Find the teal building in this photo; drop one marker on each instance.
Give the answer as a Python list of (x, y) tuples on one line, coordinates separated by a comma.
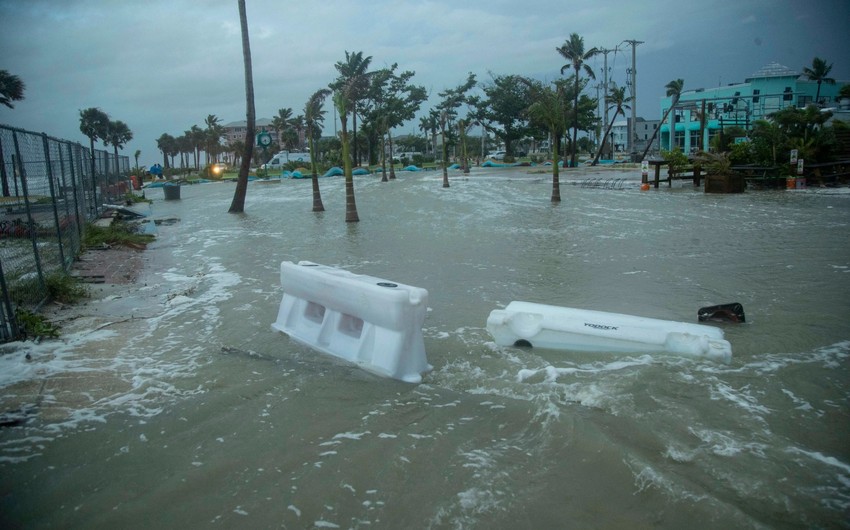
[(772, 88)]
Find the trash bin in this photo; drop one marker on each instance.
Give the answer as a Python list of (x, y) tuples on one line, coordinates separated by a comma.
[(171, 191)]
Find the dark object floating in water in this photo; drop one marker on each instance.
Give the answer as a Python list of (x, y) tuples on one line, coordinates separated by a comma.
[(722, 313)]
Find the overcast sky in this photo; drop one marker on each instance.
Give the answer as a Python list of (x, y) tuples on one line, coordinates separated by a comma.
[(164, 65)]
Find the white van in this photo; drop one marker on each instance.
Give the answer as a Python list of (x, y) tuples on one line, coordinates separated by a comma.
[(282, 158)]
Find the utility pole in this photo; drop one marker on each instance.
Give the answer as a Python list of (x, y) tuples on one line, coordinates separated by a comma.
[(605, 53), (631, 126)]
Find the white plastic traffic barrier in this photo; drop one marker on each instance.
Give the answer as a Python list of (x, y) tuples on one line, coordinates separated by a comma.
[(374, 323), (565, 328)]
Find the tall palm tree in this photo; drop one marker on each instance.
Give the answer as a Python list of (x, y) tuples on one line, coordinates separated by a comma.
[(344, 104), (618, 102), (94, 123), (674, 90), (238, 203), (819, 72), (118, 134), (314, 117), (354, 72), (573, 51), (548, 109), (11, 88)]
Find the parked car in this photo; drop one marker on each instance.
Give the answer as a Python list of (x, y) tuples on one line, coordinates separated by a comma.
[(498, 155)]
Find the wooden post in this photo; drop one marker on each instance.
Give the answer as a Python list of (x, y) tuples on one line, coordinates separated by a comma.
[(657, 174)]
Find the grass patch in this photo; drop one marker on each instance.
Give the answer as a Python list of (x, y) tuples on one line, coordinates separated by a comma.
[(65, 288), (117, 233), (34, 325)]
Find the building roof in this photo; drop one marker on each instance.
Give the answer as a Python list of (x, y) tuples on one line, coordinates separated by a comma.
[(773, 70)]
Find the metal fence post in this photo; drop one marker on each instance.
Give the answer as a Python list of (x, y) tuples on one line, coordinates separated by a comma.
[(30, 221), (53, 197)]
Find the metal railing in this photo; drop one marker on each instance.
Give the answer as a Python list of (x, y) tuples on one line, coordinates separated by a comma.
[(49, 190)]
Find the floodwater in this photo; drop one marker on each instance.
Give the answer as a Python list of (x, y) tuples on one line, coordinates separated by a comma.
[(180, 407)]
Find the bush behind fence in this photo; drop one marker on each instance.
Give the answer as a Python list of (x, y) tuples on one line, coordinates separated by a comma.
[(49, 189)]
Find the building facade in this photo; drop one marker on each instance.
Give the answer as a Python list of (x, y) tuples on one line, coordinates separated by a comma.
[(772, 88), (643, 133)]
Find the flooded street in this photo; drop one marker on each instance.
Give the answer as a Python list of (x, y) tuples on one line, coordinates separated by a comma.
[(174, 404)]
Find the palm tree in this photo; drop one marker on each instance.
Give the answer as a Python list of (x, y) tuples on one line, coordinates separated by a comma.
[(615, 99), (674, 90), (238, 204), (136, 155), (573, 51), (314, 117), (94, 123), (297, 125), (165, 143), (548, 109), (344, 105), (117, 136), (281, 122), (819, 72), (354, 72), (11, 88), (212, 137), (428, 125)]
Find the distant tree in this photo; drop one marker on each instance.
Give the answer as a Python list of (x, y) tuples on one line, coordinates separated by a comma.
[(314, 117), (573, 51), (136, 155), (429, 124), (674, 90), (165, 143), (212, 137), (281, 121), (94, 123), (618, 102), (819, 72), (401, 103), (452, 99), (354, 73), (548, 108), (238, 203), (503, 109), (11, 88), (118, 134)]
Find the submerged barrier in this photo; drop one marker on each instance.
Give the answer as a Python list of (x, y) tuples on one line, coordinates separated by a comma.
[(374, 323), (608, 184), (565, 328)]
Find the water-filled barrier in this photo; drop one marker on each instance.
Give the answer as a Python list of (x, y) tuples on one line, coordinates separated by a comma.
[(374, 323), (565, 328)]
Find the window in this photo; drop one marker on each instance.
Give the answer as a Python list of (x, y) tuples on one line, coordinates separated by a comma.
[(787, 95), (804, 101), (756, 93)]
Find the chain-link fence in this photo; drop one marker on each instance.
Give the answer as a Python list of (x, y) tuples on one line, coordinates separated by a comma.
[(50, 189)]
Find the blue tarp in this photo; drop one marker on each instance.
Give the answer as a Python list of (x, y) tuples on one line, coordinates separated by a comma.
[(334, 172), (411, 168), (360, 171)]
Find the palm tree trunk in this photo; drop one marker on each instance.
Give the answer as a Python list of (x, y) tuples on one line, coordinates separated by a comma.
[(392, 164), (445, 159), (607, 132), (384, 160), (556, 182), (317, 195), (238, 203), (350, 204), (655, 132)]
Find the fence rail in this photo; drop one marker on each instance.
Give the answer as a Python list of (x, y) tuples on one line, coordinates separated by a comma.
[(49, 189)]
